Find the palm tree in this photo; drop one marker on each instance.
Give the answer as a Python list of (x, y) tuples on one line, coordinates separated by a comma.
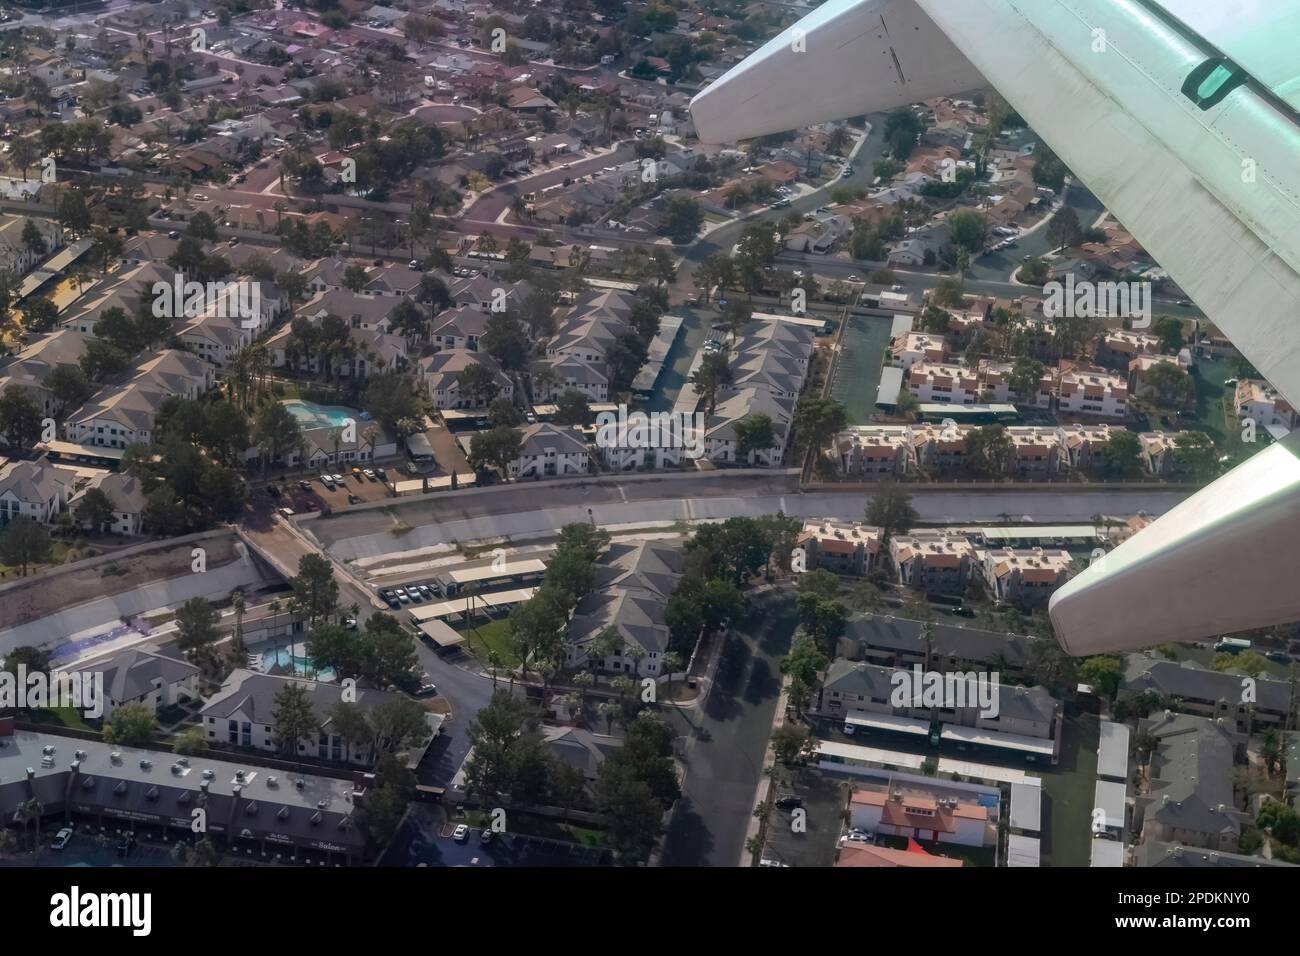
[(927, 635), (583, 680), (493, 662), (30, 812), (237, 601), (609, 710), (274, 608)]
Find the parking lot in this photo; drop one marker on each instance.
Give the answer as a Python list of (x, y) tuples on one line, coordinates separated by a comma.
[(427, 840), (824, 799), (309, 493)]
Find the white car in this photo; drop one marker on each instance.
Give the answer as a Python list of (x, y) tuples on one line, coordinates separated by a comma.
[(337, 479), (61, 838), (461, 833), (327, 481)]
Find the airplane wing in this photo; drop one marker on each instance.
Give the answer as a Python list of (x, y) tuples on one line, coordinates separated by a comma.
[(1181, 116)]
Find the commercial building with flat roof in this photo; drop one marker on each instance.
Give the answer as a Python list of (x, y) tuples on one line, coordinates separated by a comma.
[(243, 806)]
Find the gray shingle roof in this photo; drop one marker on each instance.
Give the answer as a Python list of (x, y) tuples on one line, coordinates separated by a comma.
[(1190, 681)]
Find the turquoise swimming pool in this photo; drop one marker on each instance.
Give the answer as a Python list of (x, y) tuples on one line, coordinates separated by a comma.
[(311, 415), (284, 659)]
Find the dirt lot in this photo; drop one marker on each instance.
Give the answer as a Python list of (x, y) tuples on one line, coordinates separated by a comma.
[(64, 587)]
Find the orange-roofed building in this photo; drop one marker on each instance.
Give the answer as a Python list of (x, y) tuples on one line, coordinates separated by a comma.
[(864, 854)]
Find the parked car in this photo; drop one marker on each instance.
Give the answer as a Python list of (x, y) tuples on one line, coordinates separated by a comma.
[(485, 836), (369, 473), (426, 591), (350, 624), (61, 839), (427, 690), (461, 833), (337, 479), (305, 485), (273, 491), (354, 499), (327, 481), (383, 475), (789, 802), (960, 611), (356, 473), (286, 512), (415, 595), (401, 595)]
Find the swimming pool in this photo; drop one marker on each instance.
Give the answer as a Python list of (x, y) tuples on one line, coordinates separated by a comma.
[(284, 659), (311, 415)]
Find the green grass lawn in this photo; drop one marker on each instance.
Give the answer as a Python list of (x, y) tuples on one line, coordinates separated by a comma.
[(528, 824), (1069, 789), (1210, 391), (488, 636), (64, 716)]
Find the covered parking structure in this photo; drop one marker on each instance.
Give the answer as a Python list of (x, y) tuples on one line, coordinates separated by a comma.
[(1031, 746)]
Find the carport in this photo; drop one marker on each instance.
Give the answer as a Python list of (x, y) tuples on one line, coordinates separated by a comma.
[(441, 633)]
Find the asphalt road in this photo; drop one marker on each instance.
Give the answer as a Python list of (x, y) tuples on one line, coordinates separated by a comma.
[(726, 740)]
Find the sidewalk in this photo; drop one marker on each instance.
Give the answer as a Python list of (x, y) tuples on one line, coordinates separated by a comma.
[(763, 792)]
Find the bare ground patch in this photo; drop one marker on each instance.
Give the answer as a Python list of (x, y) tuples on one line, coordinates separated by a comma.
[(67, 586)]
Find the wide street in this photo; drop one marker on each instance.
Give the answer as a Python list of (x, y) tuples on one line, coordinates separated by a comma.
[(726, 739)]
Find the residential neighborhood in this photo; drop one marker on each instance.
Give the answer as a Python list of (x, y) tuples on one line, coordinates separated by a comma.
[(460, 434)]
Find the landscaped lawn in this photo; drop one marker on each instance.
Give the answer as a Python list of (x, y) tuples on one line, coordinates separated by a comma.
[(527, 824), (493, 635), (1069, 790), (1210, 390), (66, 716)]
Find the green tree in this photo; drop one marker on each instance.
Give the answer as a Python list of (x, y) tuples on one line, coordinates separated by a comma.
[(710, 378), (132, 725), (990, 450), (196, 625), (968, 230), (95, 510), (682, 219), (817, 421), (292, 718), (1170, 332), (497, 447), (572, 408), (890, 509), (24, 542), (20, 417), (190, 742), (315, 592), (1104, 672), (1123, 455)]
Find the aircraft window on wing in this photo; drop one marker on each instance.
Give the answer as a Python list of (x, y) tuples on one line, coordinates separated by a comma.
[(1209, 83)]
